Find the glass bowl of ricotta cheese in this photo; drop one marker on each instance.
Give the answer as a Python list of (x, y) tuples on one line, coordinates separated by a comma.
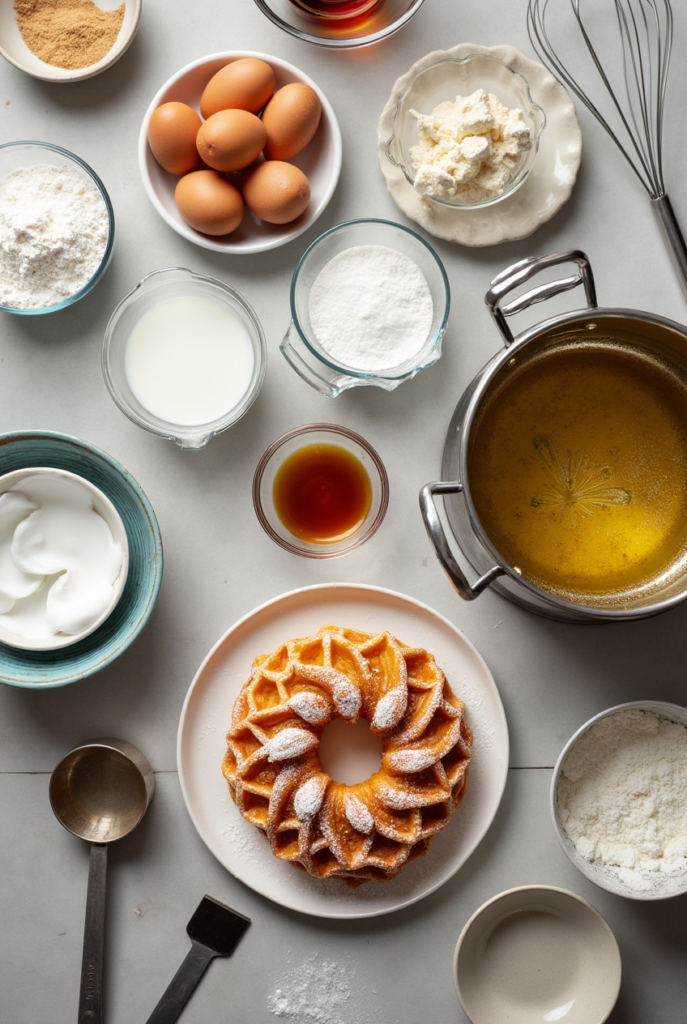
[(370, 302), (466, 131)]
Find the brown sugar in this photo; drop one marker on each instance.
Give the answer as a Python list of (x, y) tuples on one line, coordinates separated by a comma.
[(68, 34)]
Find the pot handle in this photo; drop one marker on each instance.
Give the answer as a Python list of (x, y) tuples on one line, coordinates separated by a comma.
[(520, 272), (441, 549)]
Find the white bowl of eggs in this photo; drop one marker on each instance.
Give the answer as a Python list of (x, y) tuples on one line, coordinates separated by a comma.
[(240, 152)]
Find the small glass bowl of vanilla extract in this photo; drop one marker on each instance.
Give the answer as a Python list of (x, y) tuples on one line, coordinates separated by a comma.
[(320, 490)]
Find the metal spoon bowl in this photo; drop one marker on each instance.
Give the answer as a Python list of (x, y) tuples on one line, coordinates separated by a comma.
[(99, 792)]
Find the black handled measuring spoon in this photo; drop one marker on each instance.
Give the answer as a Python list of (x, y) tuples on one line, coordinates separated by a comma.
[(214, 930)]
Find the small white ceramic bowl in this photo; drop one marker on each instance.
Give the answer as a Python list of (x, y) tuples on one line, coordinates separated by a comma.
[(661, 886), (14, 49), (320, 161), (537, 953), (104, 507)]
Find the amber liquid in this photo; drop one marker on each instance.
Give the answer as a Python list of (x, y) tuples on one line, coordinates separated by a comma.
[(322, 493), (332, 11), (578, 471)]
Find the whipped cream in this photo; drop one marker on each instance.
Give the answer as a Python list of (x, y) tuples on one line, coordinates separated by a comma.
[(58, 559)]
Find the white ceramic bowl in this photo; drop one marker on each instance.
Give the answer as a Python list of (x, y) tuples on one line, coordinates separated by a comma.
[(537, 953), (104, 507), (14, 49), (662, 885), (320, 161)]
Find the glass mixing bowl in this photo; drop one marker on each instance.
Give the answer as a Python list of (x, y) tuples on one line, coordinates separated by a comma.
[(15, 155), (374, 23), (162, 285), (451, 77), (301, 348)]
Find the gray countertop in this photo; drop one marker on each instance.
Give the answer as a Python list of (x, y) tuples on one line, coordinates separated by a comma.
[(219, 564)]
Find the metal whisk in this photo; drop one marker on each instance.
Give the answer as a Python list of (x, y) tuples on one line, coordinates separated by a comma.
[(635, 109)]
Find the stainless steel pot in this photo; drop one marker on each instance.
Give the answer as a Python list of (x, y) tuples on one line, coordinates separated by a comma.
[(660, 336)]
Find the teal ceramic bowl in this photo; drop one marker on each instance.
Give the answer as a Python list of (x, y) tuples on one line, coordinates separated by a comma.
[(45, 669)]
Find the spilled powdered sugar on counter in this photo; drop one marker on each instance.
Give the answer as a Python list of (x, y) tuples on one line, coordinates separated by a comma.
[(319, 991)]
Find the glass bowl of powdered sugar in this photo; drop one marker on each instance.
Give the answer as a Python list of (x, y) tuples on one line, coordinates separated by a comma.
[(619, 800), (369, 306), (56, 228)]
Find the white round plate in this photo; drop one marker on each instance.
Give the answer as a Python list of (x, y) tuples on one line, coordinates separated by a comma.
[(320, 161), (547, 187), (206, 716)]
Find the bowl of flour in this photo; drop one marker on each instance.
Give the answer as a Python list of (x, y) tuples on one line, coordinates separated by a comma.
[(370, 302), (56, 228), (619, 800)]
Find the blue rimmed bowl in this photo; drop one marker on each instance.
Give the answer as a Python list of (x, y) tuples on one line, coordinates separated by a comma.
[(17, 155), (45, 669)]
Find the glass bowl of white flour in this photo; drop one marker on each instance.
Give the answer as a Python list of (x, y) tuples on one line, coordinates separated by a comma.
[(619, 800), (466, 131), (370, 302), (56, 228)]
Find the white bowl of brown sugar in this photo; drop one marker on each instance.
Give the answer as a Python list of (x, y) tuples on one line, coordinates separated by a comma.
[(66, 40)]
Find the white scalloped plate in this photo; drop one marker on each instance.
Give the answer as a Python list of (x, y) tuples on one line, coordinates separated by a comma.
[(547, 187), (205, 718)]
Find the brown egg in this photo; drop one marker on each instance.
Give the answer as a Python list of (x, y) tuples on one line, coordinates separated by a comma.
[(172, 132), (231, 139), (209, 203), (245, 84), (291, 119), (275, 191)]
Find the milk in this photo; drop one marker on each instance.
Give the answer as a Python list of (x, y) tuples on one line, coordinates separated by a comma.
[(189, 361)]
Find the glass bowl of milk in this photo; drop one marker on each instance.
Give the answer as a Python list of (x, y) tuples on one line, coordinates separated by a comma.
[(184, 356)]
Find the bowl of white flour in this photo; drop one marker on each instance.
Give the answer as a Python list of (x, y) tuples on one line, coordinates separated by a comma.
[(56, 228), (619, 800)]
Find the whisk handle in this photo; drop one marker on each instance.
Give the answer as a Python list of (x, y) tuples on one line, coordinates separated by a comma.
[(521, 272), (673, 233)]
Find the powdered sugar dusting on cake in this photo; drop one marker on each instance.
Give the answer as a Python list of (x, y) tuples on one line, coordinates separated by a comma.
[(309, 796), (311, 707), (345, 693), (291, 742), (390, 709), (358, 814), (412, 759)]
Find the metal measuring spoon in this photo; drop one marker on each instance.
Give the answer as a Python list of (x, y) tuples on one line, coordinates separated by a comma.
[(99, 792)]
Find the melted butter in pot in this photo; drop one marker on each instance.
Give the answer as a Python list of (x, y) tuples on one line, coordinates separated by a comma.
[(578, 471)]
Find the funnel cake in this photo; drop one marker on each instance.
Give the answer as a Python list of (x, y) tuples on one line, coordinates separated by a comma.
[(369, 830)]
